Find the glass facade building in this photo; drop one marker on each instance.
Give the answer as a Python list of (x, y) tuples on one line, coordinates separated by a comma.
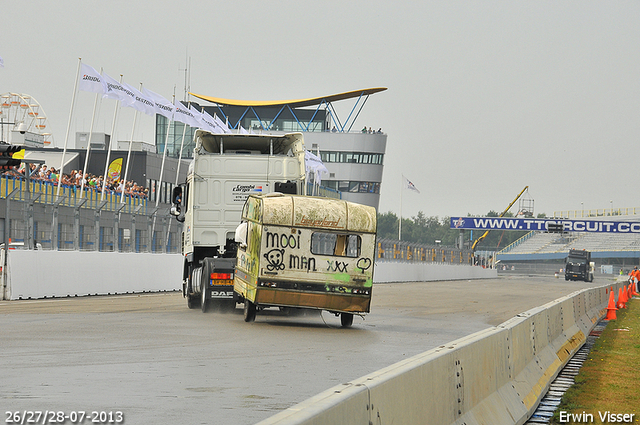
[(354, 159)]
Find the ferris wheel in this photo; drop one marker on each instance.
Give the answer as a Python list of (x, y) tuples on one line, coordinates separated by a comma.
[(24, 109)]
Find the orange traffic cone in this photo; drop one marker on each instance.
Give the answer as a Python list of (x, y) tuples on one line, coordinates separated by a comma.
[(611, 308), (620, 303), (629, 292), (633, 289), (623, 297)]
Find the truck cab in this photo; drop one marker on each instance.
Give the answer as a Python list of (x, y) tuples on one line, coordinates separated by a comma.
[(578, 266), (225, 171)]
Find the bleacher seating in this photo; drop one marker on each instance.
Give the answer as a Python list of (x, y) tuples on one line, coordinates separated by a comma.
[(542, 243)]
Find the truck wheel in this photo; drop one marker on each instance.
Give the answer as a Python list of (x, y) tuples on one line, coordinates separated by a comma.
[(346, 319), (193, 301), (249, 311), (204, 302)]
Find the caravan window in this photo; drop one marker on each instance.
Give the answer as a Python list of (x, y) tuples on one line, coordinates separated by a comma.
[(334, 244)]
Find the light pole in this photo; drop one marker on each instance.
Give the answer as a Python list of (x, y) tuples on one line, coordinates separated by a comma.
[(582, 204), (611, 202)]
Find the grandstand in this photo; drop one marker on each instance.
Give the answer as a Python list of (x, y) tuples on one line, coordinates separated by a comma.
[(619, 249)]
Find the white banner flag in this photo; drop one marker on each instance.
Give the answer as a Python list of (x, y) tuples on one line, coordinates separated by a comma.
[(197, 115), (409, 185), (184, 115), (210, 123), (1, 62), (162, 105), (91, 80), (223, 126), (141, 102), (114, 90)]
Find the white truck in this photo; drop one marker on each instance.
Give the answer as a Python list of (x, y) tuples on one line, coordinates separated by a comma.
[(225, 170)]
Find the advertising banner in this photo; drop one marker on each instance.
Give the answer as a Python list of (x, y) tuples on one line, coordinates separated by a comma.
[(528, 224)]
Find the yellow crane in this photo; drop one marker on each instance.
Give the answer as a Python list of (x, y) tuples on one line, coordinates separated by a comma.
[(484, 235)]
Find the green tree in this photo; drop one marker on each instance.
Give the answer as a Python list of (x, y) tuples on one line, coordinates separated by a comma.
[(426, 230)]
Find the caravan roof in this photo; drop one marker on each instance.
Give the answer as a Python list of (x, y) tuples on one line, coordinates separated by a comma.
[(312, 212)]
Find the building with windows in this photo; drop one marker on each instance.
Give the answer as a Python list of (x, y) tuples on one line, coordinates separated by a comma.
[(354, 157)]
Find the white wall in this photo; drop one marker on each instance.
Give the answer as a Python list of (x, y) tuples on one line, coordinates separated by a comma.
[(39, 274), (389, 271)]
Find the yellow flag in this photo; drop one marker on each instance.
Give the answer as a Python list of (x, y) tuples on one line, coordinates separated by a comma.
[(114, 168), (18, 155)]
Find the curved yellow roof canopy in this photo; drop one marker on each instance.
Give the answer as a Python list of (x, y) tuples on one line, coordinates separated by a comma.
[(295, 103)]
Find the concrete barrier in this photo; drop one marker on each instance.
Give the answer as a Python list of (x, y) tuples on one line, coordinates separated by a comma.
[(495, 376), (40, 274)]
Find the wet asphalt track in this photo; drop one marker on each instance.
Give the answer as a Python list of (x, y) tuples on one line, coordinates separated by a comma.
[(156, 361)]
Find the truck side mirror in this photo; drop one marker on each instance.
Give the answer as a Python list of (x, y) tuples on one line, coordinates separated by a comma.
[(176, 200), (176, 197)]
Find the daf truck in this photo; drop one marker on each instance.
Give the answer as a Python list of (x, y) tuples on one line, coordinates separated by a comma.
[(578, 266), (227, 169)]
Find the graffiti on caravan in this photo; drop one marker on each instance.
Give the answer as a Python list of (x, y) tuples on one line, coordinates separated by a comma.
[(283, 240), (277, 243), (528, 224)]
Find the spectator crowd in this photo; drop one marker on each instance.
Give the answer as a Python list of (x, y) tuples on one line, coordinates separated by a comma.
[(76, 180)]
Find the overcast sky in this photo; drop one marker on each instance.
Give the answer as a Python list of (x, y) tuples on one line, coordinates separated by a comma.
[(484, 97)]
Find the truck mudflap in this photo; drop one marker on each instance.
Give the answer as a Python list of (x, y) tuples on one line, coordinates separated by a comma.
[(217, 276), (222, 292)]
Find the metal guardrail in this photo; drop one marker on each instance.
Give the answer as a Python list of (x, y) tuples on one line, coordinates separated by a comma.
[(394, 250), (35, 218), (604, 212), (45, 193)]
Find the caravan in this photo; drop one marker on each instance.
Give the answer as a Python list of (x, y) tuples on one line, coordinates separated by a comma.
[(305, 252)]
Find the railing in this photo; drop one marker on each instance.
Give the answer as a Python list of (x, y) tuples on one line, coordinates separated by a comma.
[(393, 250), (604, 212), (34, 217), (46, 193), (517, 242)]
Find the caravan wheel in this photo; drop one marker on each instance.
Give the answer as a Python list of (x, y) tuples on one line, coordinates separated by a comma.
[(346, 319), (249, 311)]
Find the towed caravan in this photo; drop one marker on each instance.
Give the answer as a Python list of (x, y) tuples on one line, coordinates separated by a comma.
[(305, 252)]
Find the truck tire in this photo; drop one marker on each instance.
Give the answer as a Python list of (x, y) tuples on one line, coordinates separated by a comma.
[(249, 311), (204, 302), (204, 283), (193, 301), (346, 320)]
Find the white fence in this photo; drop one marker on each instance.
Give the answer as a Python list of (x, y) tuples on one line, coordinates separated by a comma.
[(41, 274)]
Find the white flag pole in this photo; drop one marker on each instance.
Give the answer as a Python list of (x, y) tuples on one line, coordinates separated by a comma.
[(400, 222), (86, 158), (113, 129), (164, 156), (66, 138), (184, 132), (126, 168)]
